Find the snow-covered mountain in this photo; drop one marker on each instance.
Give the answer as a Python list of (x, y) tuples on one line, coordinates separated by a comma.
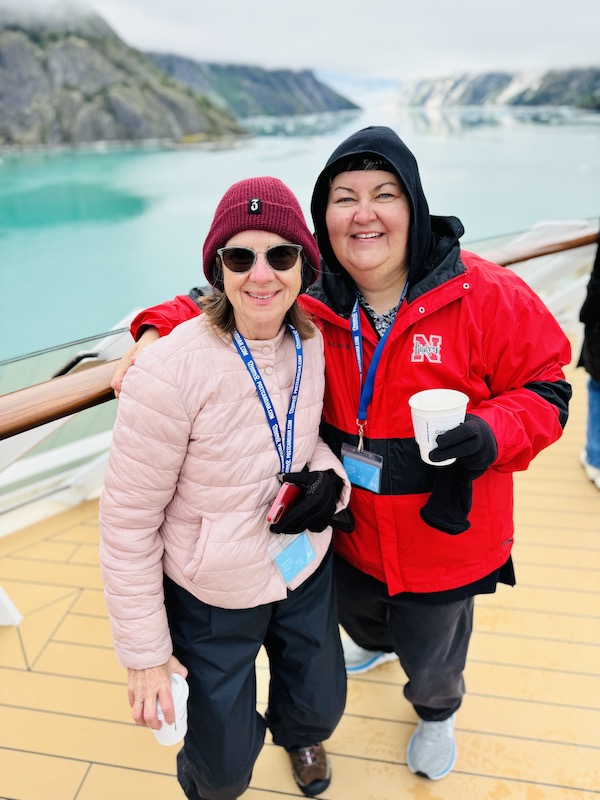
[(574, 87)]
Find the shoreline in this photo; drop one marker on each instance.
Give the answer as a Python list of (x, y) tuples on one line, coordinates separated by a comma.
[(292, 125), (224, 142)]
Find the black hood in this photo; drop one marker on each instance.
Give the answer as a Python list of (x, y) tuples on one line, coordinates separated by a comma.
[(382, 142)]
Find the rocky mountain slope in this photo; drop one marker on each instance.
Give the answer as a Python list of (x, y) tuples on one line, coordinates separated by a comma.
[(66, 77), (251, 91), (69, 78)]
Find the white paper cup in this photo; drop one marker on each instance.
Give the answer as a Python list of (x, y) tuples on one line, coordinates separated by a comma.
[(171, 734), (436, 411)]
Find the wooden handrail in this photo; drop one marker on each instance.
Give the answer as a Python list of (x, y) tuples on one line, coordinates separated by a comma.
[(515, 254), (35, 405)]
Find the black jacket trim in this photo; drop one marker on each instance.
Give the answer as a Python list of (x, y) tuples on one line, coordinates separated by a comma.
[(557, 393)]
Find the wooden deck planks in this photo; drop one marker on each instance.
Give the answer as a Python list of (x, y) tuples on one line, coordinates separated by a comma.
[(529, 728)]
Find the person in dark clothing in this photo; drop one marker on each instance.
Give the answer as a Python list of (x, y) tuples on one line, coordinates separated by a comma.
[(402, 308), (590, 361)]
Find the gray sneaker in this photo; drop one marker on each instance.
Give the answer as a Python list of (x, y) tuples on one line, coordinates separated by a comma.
[(432, 750), (359, 660)]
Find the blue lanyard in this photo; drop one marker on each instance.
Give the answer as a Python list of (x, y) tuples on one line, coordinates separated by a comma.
[(366, 388), (285, 447)]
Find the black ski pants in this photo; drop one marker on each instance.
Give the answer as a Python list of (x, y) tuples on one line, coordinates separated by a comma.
[(307, 691)]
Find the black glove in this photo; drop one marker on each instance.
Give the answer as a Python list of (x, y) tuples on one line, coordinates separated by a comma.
[(450, 501), (473, 444), (315, 507), (343, 521)]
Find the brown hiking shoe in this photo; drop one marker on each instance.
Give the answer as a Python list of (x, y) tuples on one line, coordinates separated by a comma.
[(311, 769)]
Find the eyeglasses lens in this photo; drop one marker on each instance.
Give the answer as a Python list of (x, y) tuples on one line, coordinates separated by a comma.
[(280, 257), (238, 259)]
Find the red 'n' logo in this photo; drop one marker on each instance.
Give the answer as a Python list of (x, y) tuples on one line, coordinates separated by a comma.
[(427, 348)]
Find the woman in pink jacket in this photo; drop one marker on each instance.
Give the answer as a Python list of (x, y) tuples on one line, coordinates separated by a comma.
[(210, 419)]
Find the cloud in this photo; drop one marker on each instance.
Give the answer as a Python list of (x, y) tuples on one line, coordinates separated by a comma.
[(401, 39), (44, 6)]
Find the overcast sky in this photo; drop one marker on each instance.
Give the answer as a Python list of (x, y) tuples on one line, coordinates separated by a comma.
[(401, 39)]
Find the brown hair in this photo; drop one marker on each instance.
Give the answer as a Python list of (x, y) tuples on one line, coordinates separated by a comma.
[(219, 312)]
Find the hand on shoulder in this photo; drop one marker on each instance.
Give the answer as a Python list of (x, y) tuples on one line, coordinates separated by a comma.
[(148, 336)]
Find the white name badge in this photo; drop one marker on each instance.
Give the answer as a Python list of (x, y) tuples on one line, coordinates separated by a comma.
[(363, 468), (291, 552)]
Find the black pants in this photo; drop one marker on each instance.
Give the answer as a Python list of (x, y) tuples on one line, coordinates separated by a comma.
[(307, 691), (431, 640)]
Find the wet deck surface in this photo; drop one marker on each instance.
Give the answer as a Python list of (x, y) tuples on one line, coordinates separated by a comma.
[(529, 728)]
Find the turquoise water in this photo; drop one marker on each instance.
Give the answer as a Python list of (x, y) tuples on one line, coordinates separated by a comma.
[(87, 236)]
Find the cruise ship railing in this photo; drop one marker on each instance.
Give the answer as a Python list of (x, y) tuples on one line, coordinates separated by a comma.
[(533, 256), (60, 397), (555, 260)]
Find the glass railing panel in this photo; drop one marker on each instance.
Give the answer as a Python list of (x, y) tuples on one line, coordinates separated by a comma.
[(32, 368)]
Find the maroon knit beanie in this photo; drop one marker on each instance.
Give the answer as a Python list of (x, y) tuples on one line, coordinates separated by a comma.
[(263, 204)]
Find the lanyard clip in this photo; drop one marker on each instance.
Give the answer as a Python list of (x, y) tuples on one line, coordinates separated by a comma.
[(361, 430)]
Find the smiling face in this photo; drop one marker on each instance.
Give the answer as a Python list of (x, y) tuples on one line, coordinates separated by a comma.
[(368, 221), (262, 296)]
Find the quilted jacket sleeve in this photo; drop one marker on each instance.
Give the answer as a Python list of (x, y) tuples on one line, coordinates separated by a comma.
[(150, 440)]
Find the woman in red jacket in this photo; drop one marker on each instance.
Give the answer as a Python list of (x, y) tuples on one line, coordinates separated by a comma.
[(402, 309)]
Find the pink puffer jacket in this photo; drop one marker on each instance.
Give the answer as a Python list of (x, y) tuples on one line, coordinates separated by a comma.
[(192, 473)]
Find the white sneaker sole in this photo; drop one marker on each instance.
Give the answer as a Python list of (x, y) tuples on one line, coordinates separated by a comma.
[(367, 666), (436, 776), (592, 473)]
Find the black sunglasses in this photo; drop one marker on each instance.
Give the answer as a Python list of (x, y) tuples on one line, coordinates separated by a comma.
[(241, 259)]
